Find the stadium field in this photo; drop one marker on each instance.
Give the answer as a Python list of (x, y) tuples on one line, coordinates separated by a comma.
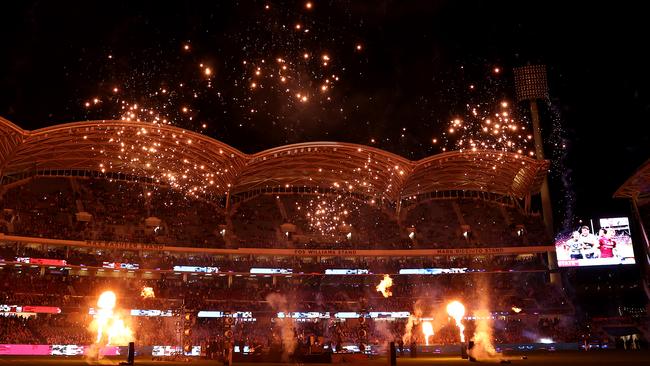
[(618, 358)]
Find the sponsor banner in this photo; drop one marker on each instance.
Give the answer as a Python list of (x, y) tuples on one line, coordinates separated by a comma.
[(25, 349), (174, 350), (389, 314), (196, 269), (140, 312), (304, 315), (219, 314), (29, 309), (434, 271), (271, 271), (42, 261), (53, 350), (117, 265), (41, 309), (347, 315), (343, 271), (163, 313)]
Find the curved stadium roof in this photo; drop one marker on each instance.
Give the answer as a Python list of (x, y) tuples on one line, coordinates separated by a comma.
[(637, 187), (194, 161)]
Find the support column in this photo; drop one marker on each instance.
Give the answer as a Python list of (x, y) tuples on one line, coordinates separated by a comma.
[(531, 84), (547, 210)]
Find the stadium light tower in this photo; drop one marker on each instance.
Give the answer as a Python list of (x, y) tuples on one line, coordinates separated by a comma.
[(531, 85)]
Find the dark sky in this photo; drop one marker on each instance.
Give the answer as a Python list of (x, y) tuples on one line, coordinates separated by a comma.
[(411, 76)]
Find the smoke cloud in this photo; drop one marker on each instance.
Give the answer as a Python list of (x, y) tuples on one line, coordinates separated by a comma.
[(414, 320), (483, 349), (279, 303)]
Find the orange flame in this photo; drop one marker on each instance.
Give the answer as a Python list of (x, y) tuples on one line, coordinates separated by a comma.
[(456, 310), (427, 330), (109, 325), (385, 285), (147, 293)]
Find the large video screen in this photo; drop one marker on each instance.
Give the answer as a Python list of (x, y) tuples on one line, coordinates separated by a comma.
[(601, 242)]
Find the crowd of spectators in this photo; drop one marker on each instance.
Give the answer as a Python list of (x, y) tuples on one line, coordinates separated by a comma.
[(17, 330), (309, 293), (82, 209), (99, 209)]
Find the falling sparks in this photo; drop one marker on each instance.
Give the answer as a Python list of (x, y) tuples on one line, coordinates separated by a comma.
[(456, 310), (488, 130), (300, 55), (385, 285), (326, 214), (292, 76), (155, 152)]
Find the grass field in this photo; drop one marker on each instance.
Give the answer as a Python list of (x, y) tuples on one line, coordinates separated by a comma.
[(610, 357)]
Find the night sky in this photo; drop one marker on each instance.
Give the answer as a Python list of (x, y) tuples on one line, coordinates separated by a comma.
[(390, 74)]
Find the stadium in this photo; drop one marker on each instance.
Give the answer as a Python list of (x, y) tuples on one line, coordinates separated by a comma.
[(282, 182), (295, 239)]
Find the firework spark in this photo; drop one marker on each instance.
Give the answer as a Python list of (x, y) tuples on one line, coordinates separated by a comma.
[(326, 215)]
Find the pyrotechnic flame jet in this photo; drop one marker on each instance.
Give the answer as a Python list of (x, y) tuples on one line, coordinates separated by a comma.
[(147, 293), (110, 325), (105, 303), (456, 310), (385, 285), (427, 330)]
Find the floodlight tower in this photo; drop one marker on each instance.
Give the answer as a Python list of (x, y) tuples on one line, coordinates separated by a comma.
[(531, 85)]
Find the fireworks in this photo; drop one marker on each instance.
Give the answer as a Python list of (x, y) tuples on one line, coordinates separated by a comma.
[(289, 71), (488, 130), (385, 285), (110, 328), (427, 331), (456, 310), (326, 215), (296, 67)]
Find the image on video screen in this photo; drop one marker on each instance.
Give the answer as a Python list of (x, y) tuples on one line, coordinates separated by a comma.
[(608, 243)]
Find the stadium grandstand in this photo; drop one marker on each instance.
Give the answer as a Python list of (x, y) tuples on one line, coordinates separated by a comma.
[(215, 233)]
